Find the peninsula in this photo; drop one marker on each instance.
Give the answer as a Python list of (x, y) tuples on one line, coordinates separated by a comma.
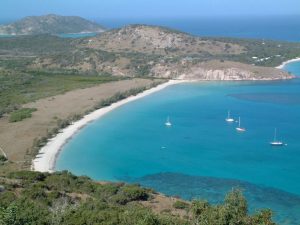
[(52, 86)]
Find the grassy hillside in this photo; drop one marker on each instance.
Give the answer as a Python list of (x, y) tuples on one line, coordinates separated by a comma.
[(263, 52), (62, 198), (135, 50)]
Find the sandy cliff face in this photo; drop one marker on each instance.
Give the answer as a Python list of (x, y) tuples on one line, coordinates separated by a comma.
[(216, 70)]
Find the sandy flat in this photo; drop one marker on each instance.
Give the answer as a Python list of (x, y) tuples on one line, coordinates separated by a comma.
[(45, 160), (17, 138)]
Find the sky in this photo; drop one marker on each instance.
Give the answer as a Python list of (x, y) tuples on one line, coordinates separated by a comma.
[(95, 9)]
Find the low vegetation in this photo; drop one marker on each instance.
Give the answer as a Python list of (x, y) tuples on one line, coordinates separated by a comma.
[(262, 52), (21, 114), (181, 205), (17, 88), (135, 55), (2, 159), (62, 198)]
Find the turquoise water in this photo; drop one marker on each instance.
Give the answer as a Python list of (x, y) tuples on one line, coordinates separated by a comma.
[(77, 35), (6, 36), (201, 156)]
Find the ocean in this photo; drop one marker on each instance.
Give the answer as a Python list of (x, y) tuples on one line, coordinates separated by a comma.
[(201, 156), (283, 28)]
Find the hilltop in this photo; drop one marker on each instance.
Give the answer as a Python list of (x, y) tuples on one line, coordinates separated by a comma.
[(158, 40), (50, 24), (62, 198)]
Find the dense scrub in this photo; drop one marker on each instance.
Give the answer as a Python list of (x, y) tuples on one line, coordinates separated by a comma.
[(262, 52), (2, 159), (62, 198), (21, 114)]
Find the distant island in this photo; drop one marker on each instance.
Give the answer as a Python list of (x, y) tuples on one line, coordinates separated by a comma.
[(48, 83), (50, 24)]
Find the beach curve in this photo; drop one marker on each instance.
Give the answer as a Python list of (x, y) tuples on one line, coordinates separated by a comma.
[(46, 158), (282, 65)]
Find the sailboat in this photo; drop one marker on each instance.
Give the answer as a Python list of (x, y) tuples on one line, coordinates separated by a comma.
[(275, 142), (229, 119), (168, 123), (239, 128)]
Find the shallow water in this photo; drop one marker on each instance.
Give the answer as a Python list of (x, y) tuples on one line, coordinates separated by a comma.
[(77, 35), (201, 156)]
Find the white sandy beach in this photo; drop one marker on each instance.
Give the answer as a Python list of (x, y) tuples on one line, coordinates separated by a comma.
[(286, 62), (45, 160)]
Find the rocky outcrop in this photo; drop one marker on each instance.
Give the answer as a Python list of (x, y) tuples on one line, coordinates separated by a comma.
[(216, 70)]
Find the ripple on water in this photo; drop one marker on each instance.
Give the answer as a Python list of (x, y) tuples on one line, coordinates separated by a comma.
[(275, 98), (285, 205)]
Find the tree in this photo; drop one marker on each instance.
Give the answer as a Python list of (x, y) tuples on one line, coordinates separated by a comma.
[(236, 207), (8, 216)]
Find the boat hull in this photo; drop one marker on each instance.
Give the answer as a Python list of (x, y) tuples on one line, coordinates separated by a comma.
[(277, 144), (239, 129)]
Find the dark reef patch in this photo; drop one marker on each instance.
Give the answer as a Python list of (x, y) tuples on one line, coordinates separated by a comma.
[(285, 205), (274, 98)]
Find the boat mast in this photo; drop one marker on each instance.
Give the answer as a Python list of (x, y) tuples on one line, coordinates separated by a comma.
[(239, 121), (275, 134)]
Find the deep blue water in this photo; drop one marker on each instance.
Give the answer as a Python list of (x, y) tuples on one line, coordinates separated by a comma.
[(201, 156), (285, 28)]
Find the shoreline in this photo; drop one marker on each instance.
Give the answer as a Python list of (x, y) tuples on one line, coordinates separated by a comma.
[(46, 158), (287, 62)]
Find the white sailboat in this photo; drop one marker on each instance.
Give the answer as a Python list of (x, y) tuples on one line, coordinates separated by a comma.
[(229, 119), (239, 128), (275, 142), (168, 123)]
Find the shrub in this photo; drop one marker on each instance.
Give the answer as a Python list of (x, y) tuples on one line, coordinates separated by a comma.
[(134, 192), (6, 198), (29, 176), (21, 114), (129, 193), (3, 158), (180, 205)]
